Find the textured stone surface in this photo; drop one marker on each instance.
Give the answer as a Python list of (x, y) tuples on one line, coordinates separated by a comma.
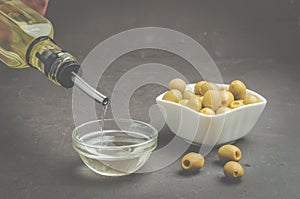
[(257, 42)]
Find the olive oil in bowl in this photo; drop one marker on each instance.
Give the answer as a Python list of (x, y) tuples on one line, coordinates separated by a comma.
[(120, 149)]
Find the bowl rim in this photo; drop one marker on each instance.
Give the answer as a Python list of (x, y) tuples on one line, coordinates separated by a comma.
[(78, 141), (190, 86)]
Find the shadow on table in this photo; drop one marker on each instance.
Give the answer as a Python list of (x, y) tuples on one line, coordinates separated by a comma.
[(229, 181), (76, 172)]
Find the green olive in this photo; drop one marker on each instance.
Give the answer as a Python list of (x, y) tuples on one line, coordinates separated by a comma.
[(178, 84), (212, 99), (192, 161), (223, 89), (206, 87), (233, 170), (229, 152), (207, 111), (173, 95), (200, 98), (238, 89), (194, 103), (251, 99), (198, 86), (187, 94), (183, 102), (222, 109), (236, 104), (227, 98)]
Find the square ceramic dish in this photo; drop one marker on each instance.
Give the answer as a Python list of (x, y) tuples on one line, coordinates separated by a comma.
[(198, 128)]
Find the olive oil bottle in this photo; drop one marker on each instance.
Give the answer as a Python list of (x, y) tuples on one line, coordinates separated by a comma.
[(26, 40)]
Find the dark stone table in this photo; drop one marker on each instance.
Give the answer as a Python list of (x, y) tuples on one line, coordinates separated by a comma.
[(255, 41)]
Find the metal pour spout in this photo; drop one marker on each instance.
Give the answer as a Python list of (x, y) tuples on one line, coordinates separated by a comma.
[(89, 90)]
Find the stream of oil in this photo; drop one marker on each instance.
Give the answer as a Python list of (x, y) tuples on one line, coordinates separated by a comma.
[(118, 162), (102, 132)]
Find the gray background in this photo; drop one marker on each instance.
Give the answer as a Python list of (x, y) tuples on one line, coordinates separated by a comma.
[(255, 41)]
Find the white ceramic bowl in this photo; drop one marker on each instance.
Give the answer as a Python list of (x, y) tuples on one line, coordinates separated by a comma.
[(198, 128)]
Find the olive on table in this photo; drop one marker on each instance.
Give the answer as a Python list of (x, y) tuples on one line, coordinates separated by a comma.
[(229, 152), (233, 170), (222, 109), (238, 89), (187, 94), (198, 86), (207, 86), (178, 84), (194, 103), (173, 95), (192, 161), (207, 111), (227, 97), (251, 99), (236, 104), (212, 99)]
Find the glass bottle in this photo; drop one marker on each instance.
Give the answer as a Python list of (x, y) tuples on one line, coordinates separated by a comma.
[(26, 40)]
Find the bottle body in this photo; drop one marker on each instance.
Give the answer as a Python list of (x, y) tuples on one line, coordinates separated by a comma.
[(19, 27), (26, 40)]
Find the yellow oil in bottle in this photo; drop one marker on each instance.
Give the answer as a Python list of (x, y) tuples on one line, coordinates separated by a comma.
[(26, 39), (19, 27)]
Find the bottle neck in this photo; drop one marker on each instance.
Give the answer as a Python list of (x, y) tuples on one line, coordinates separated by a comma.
[(58, 65)]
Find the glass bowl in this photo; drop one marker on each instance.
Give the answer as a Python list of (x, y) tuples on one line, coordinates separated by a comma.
[(121, 148)]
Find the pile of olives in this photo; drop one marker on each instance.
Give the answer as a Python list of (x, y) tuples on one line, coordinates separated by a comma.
[(208, 98), (228, 154)]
